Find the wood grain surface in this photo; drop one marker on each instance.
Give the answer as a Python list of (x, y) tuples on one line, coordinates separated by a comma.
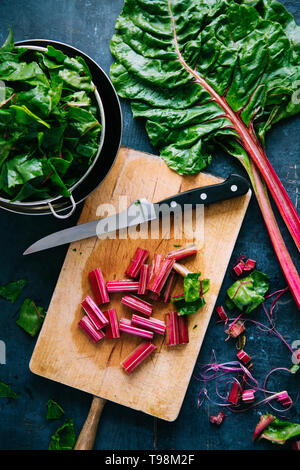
[(64, 354)]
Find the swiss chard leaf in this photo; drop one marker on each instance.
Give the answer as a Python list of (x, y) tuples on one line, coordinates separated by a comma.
[(31, 317), (12, 290), (248, 293), (246, 51), (64, 438), (54, 410), (278, 432), (6, 391)]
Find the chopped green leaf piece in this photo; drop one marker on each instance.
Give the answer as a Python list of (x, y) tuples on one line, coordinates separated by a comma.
[(278, 432), (295, 368), (6, 391), (31, 317), (193, 297), (54, 410), (189, 308), (192, 287), (12, 290), (64, 438), (248, 293)]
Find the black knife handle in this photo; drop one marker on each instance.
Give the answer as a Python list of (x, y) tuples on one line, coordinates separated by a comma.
[(233, 186)]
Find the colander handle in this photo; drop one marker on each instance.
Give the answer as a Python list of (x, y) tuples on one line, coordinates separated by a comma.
[(63, 216)]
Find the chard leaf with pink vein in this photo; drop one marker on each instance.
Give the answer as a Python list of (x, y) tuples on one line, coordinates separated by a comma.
[(217, 72)]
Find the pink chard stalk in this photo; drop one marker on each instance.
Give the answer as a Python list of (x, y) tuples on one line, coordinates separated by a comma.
[(88, 327), (99, 287), (94, 313), (112, 329), (127, 327), (137, 262), (137, 356), (122, 285), (137, 304)]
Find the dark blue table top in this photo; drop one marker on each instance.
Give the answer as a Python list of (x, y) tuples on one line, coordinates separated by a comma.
[(89, 25)]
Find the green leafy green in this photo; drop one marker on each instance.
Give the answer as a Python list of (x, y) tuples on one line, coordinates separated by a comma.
[(295, 368), (278, 432), (192, 287), (12, 290), (248, 293), (247, 51), (193, 297), (31, 317), (64, 438), (6, 391), (54, 410), (189, 308), (49, 127)]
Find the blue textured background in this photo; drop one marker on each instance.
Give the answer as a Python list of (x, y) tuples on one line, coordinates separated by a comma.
[(89, 26)]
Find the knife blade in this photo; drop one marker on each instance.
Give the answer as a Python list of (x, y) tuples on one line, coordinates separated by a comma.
[(141, 211)]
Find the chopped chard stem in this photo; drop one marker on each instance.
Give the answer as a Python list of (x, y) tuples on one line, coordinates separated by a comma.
[(152, 324), (144, 273), (137, 304), (112, 329), (123, 285), (160, 277), (88, 327), (99, 287), (137, 356), (180, 269), (94, 313), (243, 357), (127, 327), (184, 252), (218, 420), (137, 262)]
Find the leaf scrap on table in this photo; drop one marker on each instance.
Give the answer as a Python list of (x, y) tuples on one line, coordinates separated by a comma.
[(31, 317)]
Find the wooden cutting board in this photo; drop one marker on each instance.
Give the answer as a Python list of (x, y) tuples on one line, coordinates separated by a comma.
[(63, 352)]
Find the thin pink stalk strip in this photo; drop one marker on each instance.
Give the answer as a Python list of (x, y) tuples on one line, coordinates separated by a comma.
[(136, 357), (127, 327), (137, 304)]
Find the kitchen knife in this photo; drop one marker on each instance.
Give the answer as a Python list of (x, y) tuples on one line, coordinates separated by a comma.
[(142, 211)]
